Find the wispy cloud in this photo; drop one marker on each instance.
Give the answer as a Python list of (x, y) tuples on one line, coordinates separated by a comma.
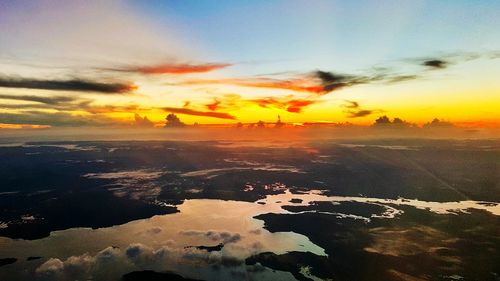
[(188, 111), (323, 82), (298, 85), (110, 108), (52, 100), (317, 82), (214, 105), (66, 85), (332, 81), (177, 68), (55, 119), (354, 110), (288, 104), (66, 104)]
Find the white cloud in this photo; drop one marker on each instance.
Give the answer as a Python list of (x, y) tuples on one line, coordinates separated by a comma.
[(112, 262), (220, 236)]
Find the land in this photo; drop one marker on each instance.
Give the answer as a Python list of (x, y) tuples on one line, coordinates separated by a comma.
[(49, 186)]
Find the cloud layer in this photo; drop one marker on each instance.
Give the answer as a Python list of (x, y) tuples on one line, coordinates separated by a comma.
[(187, 111), (177, 68), (67, 85)]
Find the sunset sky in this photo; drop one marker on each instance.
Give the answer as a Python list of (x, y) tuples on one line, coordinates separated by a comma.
[(93, 63)]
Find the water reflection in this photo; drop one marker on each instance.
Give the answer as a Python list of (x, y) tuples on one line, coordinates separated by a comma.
[(171, 242)]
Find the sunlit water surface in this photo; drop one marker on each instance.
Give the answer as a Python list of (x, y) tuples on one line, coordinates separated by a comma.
[(165, 242)]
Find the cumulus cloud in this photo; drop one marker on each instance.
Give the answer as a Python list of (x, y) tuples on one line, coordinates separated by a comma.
[(111, 262), (173, 121), (51, 266), (142, 121), (109, 254), (385, 122), (73, 268), (436, 123), (216, 236), (154, 230), (140, 254)]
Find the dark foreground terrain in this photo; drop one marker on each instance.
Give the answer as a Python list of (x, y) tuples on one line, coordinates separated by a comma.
[(56, 186)]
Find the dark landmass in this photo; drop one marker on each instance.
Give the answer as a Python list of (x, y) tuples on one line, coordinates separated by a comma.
[(46, 185), (82, 209), (295, 200), (292, 262), (431, 173), (6, 261), (215, 248), (33, 258), (353, 208), (154, 276), (417, 245)]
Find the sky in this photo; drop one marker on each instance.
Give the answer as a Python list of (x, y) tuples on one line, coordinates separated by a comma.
[(108, 63)]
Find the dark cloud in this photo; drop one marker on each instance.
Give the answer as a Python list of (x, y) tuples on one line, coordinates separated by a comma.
[(187, 111), (64, 103), (385, 122), (401, 78), (54, 119), (55, 100), (435, 63), (332, 81), (66, 85), (137, 250), (351, 104), (173, 121), (443, 60), (354, 110), (360, 113)]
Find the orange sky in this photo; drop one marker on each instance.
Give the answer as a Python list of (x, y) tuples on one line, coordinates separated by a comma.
[(88, 75)]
